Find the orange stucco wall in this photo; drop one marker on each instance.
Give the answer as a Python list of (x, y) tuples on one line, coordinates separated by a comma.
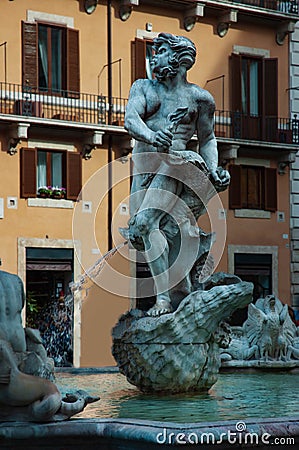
[(109, 298), (101, 311)]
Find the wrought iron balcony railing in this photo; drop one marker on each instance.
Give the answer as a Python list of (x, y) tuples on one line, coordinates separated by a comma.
[(94, 109), (63, 105), (235, 125), (283, 6)]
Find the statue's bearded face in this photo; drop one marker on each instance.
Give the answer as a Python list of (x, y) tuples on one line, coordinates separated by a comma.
[(162, 63)]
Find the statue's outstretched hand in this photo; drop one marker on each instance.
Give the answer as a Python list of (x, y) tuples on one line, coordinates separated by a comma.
[(163, 140), (215, 177), (220, 178)]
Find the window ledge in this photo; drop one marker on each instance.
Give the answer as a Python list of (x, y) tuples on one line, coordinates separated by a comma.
[(252, 214), (50, 203)]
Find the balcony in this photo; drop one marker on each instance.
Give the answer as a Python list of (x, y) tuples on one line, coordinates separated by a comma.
[(63, 106), (238, 126), (270, 10), (92, 110), (286, 7)]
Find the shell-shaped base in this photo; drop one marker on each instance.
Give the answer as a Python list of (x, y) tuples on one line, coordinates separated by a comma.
[(178, 352)]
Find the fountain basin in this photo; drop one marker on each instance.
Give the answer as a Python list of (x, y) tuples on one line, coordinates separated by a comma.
[(252, 408), (129, 434), (260, 364)]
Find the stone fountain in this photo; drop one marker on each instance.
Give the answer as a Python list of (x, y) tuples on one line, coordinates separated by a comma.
[(175, 346)]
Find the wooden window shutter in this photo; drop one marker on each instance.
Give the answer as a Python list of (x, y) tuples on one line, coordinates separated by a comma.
[(235, 197), (73, 175), (29, 54), (254, 188), (270, 87), (270, 189), (28, 172), (73, 64), (139, 59), (235, 83)]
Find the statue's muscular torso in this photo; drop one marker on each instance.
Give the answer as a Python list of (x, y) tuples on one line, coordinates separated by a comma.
[(160, 102)]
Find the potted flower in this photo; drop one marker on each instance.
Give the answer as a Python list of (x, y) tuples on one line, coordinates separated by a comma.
[(44, 192), (63, 192), (58, 192)]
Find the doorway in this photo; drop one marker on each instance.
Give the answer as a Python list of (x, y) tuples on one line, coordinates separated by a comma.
[(256, 268), (49, 304)]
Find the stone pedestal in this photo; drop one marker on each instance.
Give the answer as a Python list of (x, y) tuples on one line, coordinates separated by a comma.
[(178, 352)]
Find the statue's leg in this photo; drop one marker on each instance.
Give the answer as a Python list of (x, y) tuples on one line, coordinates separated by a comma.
[(156, 244), (137, 193), (186, 247), (159, 199), (182, 258)]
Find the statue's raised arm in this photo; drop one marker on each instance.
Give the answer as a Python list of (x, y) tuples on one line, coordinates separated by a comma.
[(136, 117)]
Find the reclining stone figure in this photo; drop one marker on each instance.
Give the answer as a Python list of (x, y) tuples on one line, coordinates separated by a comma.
[(24, 391)]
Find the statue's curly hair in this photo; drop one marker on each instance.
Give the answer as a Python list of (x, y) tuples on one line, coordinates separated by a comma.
[(183, 48)]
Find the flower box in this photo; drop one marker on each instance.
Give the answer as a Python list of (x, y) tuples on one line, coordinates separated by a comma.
[(51, 192)]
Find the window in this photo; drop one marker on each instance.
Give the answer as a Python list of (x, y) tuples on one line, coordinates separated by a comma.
[(253, 187), (51, 46), (142, 52), (250, 85), (254, 97), (149, 52), (50, 58), (44, 167), (50, 169)]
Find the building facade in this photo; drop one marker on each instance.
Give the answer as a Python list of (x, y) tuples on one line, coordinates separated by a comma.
[(65, 75), (294, 173)]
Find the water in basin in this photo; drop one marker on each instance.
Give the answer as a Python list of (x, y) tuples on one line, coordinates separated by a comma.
[(235, 396)]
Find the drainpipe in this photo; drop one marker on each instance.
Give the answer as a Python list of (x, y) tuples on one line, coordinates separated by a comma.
[(5, 62), (109, 68)]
